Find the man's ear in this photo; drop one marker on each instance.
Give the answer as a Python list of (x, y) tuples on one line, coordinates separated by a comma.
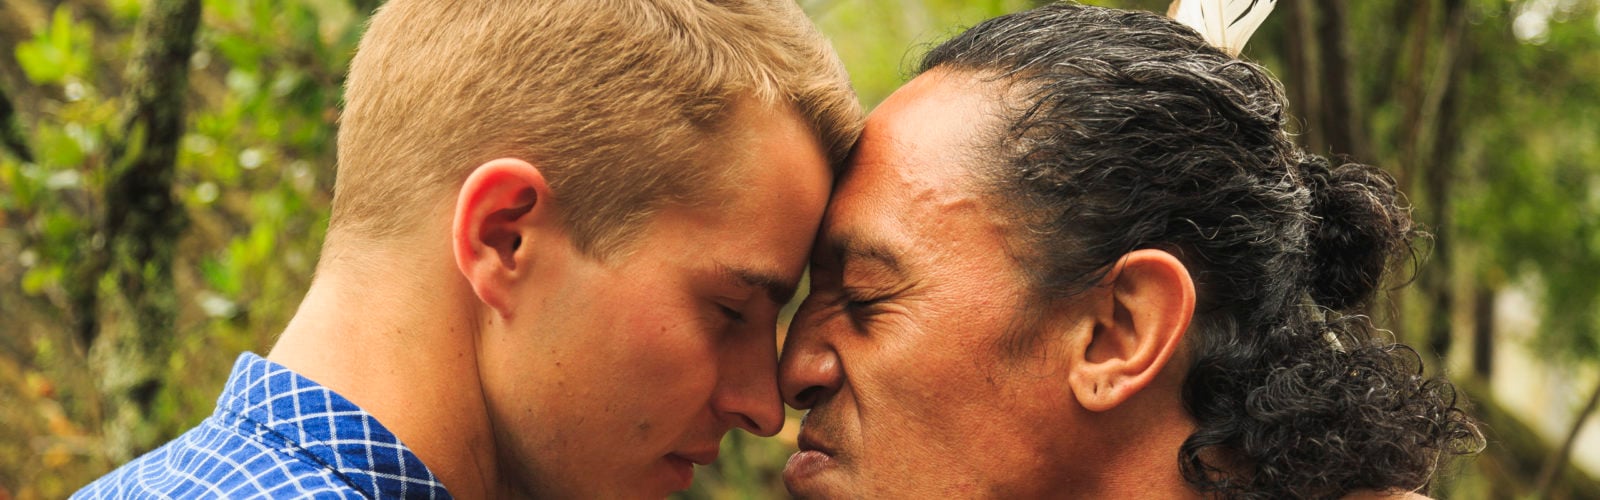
[(1139, 315), (498, 213)]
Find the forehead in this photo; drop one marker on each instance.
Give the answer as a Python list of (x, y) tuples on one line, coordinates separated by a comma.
[(780, 180), (916, 155), (911, 184)]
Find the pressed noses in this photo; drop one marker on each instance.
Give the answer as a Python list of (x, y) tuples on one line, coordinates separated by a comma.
[(746, 394), (809, 372)]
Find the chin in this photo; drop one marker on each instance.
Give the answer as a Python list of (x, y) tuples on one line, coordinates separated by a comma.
[(653, 484), (640, 492)]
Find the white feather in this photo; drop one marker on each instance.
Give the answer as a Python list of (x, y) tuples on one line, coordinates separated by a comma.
[(1226, 24)]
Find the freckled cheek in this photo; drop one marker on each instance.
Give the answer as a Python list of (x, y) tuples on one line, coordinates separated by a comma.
[(667, 351)]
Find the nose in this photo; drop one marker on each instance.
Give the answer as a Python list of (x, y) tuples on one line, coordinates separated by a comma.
[(747, 393), (810, 371)]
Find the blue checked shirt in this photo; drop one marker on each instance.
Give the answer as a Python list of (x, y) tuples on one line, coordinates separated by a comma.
[(276, 434)]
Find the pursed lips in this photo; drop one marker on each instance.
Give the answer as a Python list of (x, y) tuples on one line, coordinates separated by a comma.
[(683, 463), (809, 442), (818, 432), (815, 457)]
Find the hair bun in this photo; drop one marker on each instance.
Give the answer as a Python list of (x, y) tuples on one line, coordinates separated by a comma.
[(1360, 226)]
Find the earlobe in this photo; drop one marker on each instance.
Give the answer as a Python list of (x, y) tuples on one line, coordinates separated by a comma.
[(497, 213), (1139, 316)]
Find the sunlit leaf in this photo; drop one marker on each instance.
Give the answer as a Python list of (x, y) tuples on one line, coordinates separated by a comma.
[(60, 50)]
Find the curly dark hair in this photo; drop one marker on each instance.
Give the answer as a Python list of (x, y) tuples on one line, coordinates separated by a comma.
[(1126, 130)]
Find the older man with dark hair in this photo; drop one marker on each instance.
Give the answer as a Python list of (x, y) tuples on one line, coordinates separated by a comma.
[(1079, 255)]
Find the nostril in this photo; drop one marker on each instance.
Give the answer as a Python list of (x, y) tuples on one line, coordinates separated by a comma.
[(808, 396)]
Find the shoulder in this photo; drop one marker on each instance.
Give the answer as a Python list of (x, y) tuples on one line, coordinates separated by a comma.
[(215, 460), (276, 434)]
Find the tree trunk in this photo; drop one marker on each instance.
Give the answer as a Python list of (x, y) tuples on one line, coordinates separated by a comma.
[(1558, 460), (1388, 59), (1412, 78), (141, 225), (1340, 118), (1305, 98), (11, 135), (1439, 172), (1483, 332)]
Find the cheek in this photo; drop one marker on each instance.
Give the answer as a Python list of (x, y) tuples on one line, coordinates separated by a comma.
[(954, 416), (933, 378), (668, 356), (947, 393)]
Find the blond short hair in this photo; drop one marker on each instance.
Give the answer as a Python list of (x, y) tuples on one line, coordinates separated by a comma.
[(614, 100)]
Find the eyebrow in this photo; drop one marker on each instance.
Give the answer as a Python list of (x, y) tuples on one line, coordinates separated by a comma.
[(849, 246), (778, 289)]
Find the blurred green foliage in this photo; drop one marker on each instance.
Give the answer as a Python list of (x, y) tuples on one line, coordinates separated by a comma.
[(256, 168), (58, 52), (254, 173), (1533, 153)]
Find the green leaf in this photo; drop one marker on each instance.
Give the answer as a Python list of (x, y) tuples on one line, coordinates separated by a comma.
[(59, 51), (36, 280)]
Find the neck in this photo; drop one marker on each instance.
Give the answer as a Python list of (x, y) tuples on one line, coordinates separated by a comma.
[(394, 345), (1138, 445), (1146, 467)]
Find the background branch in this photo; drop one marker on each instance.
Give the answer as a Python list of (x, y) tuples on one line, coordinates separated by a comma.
[(11, 135), (142, 222)]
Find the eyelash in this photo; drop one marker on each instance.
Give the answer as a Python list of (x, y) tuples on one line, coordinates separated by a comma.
[(855, 302), (733, 315)]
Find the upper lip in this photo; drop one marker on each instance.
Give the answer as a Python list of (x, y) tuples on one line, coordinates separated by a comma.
[(701, 457), (808, 442)]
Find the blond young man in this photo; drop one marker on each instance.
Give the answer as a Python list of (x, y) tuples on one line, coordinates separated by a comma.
[(560, 237)]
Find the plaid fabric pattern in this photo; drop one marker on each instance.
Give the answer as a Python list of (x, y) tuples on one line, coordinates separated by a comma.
[(276, 434)]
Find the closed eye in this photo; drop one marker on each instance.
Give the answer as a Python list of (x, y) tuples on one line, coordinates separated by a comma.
[(856, 303), (860, 306), (733, 315)]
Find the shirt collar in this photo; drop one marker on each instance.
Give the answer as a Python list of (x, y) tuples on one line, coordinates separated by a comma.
[(319, 423)]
